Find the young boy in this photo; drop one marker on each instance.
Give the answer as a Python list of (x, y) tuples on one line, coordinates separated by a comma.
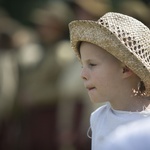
[(115, 56)]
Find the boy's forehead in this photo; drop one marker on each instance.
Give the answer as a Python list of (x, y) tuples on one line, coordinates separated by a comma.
[(93, 48), (88, 45)]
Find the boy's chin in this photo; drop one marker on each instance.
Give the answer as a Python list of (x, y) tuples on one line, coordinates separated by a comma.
[(97, 100)]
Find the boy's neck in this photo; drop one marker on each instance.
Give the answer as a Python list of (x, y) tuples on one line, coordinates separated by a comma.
[(132, 103)]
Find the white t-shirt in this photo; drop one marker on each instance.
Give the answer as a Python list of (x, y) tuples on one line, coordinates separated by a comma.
[(105, 119), (133, 136)]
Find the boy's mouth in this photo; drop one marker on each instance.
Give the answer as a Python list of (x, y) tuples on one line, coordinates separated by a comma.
[(90, 88)]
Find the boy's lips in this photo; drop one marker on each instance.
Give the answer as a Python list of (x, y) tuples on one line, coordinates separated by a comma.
[(90, 88)]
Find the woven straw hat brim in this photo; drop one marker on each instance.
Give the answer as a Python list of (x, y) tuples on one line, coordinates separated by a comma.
[(93, 32)]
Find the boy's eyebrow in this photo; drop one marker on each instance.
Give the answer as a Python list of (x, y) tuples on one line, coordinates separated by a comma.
[(87, 61)]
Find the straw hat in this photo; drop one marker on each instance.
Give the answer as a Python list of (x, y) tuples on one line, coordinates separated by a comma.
[(122, 36)]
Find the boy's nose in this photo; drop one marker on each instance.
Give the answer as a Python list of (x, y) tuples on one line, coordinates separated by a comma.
[(84, 75)]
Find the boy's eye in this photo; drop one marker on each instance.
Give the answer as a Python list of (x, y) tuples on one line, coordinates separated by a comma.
[(92, 64)]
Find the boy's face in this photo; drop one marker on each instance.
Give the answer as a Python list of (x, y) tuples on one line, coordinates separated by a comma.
[(101, 73)]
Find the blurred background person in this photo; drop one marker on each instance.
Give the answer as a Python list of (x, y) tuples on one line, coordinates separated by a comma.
[(9, 80), (9, 72), (38, 95)]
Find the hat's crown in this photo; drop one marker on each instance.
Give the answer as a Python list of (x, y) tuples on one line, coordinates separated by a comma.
[(131, 32)]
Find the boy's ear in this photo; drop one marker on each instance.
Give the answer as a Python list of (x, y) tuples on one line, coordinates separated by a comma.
[(126, 72)]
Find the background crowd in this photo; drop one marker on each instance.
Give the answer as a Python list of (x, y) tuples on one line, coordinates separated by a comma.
[(43, 104)]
